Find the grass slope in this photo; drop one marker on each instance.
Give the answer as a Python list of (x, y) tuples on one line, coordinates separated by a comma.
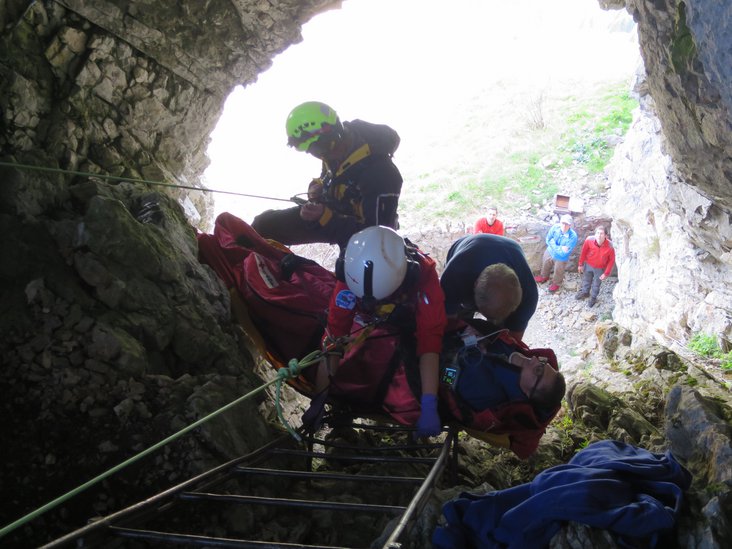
[(512, 150)]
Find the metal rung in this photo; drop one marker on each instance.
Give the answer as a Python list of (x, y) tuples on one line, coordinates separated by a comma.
[(394, 448), (385, 428), (286, 502), (208, 541), (324, 476), (338, 457)]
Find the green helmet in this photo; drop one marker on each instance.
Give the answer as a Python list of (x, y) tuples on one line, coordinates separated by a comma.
[(307, 122)]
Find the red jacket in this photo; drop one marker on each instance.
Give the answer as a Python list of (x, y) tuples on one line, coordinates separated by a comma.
[(596, 256), (426, 296), (481, 226)]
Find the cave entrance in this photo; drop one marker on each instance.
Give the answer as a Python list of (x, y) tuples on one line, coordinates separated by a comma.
[(470, 88)]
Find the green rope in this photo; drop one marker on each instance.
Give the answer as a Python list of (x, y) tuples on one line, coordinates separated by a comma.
[(292, 371), (283, 374), (136, 180)]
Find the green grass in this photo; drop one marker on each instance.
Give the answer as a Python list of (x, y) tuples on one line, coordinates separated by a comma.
[(520, 168), (591, 130), (706, 345)]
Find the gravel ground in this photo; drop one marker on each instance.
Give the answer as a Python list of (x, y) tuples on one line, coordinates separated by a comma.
[(567, 325)]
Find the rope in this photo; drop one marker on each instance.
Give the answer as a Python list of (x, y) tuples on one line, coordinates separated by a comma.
[(295, 199), (293, 370)]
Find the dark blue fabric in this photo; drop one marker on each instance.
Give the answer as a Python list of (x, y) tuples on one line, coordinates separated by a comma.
[(611, 485), (467, 258), (487, 383)]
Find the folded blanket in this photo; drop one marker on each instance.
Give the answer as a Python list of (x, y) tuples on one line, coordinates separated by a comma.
[(611, 485)]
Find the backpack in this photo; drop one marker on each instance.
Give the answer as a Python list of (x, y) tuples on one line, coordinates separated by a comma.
[(382, 139), (516, 425), (379, 375), (285, 296)]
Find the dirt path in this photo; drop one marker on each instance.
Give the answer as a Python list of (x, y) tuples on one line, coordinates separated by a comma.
[(567, 325)]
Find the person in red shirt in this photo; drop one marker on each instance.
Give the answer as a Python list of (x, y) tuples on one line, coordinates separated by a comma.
[(490, 224), (596, 261), (382, 280)]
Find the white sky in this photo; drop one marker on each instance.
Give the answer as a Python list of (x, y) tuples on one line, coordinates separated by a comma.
[(406, 63)]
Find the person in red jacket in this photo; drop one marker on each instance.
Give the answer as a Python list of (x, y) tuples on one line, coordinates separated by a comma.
[(383, 280), (596, 261), (490, 224)]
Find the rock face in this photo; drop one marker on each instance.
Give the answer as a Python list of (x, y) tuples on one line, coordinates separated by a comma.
[(114, 337), (671, 195), (132, 88), (672, 242)]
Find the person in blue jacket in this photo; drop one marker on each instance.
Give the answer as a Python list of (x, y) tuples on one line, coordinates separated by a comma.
[(560, 241)]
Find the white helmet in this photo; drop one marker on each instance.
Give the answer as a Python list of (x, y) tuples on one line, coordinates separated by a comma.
[(375, 262)]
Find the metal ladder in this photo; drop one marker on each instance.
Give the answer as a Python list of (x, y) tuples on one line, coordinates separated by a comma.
[(271, 467)]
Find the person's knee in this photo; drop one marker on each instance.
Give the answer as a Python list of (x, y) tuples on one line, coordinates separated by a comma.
[(275, 224), (257, 222), (261, 220)]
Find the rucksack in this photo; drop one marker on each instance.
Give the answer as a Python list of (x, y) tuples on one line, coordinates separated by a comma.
[(379, 375), (382, 139), (286, 296)]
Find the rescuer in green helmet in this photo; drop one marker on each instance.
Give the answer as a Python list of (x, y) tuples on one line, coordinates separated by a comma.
[(312, 124), (358, 187)]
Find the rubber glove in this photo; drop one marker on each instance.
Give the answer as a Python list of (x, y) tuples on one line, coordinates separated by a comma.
[(312, 418), (428, 424)]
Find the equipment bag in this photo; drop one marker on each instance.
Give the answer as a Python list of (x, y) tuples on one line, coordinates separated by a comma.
[(285, 295), (379, 374)]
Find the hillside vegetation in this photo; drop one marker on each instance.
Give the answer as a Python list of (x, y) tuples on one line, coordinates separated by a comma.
[(517, 151)]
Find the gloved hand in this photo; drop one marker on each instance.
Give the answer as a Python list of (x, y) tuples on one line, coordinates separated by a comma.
[(312, 418), (428, 424), (311, 211)]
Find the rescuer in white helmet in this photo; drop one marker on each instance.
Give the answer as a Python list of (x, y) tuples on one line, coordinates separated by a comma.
[(384, 279)]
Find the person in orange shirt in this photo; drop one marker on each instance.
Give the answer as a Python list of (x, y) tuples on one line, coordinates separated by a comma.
[(490, 224)]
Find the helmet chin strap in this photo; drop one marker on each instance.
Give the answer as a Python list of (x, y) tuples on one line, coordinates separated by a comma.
[(368, 301)]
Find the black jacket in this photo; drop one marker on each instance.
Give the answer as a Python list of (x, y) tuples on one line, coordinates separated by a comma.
[(364, 190)]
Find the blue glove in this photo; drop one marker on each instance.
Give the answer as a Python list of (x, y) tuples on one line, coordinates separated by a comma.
[(428, 424), (312, 419)]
